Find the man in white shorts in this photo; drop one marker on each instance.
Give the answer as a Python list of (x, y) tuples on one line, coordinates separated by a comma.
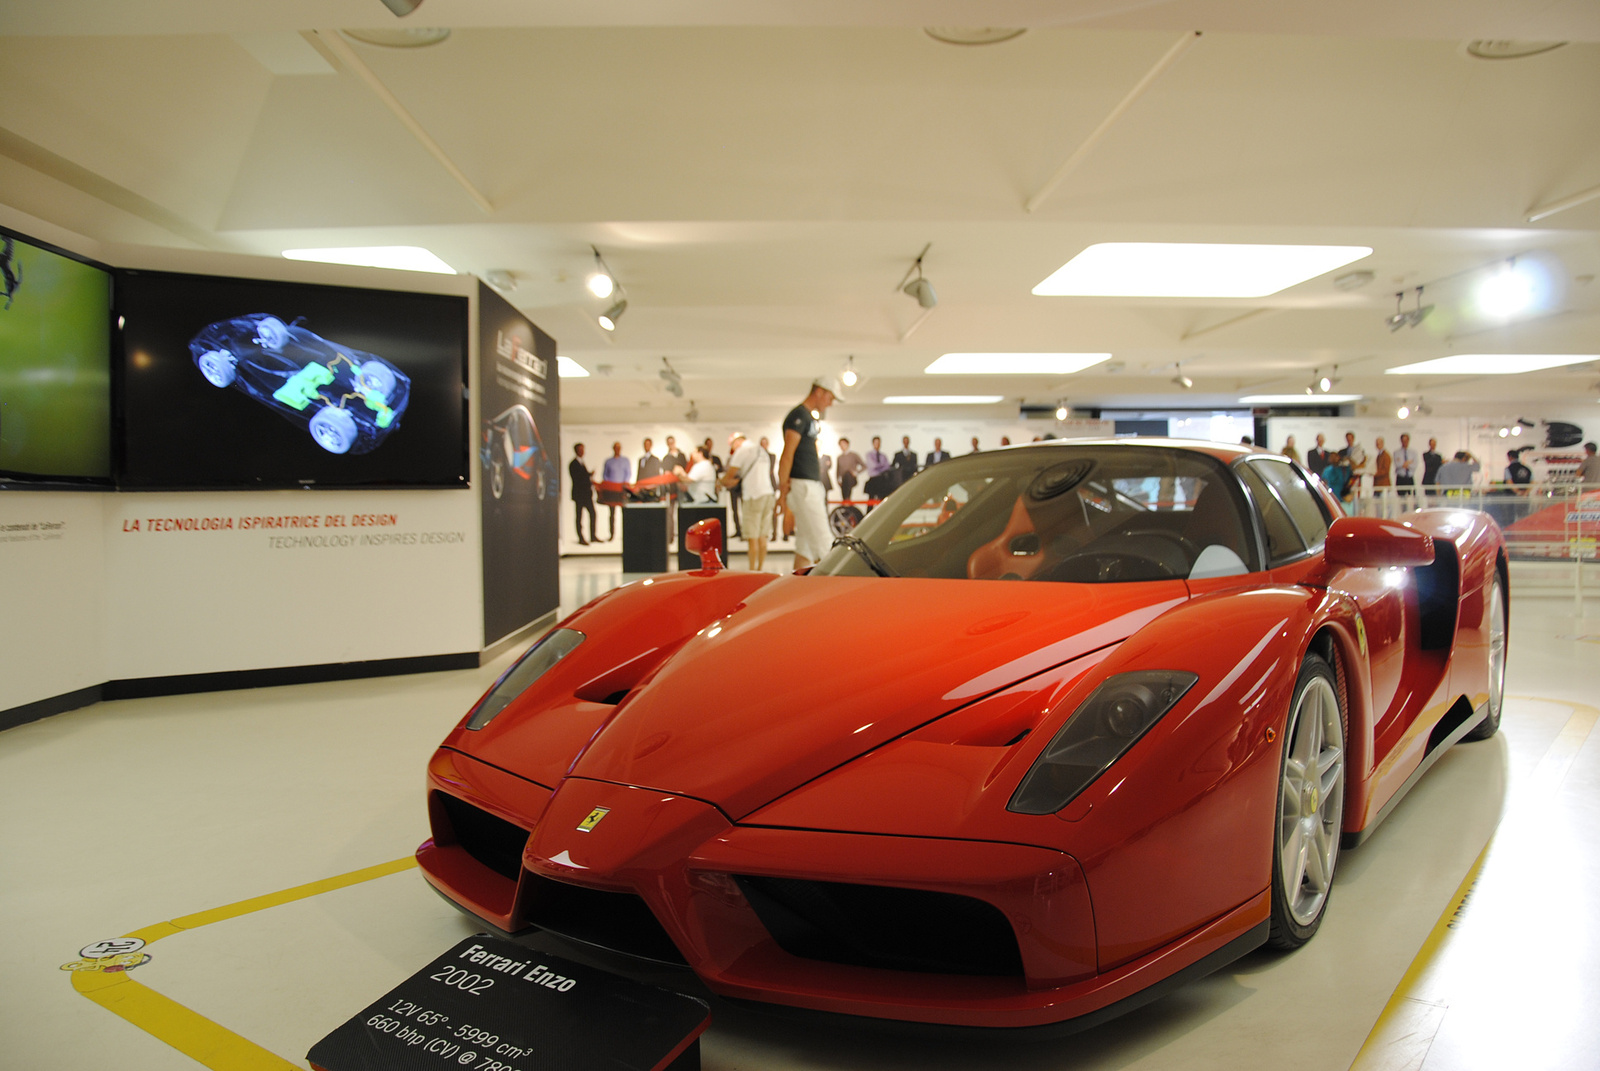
[(800, 492), (750, 464)]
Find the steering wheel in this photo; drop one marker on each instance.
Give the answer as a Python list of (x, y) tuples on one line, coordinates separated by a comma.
[(1108, 567), (1189, 549)]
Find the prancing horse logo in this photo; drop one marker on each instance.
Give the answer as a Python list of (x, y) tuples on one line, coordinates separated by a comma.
[(594, 819)]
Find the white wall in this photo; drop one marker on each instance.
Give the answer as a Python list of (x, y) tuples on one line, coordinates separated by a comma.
[(52, 615), (197, 583)]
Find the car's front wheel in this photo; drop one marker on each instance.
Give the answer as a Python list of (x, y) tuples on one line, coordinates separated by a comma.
[(334, 429), (1310, 806)]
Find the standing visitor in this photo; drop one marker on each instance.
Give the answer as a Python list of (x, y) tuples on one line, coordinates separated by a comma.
[(800, 491), (582, 494)]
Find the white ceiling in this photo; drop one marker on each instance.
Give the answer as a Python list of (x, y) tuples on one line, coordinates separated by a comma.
[(761, 175)]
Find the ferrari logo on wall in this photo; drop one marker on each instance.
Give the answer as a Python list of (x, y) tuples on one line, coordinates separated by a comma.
[(593, 819)]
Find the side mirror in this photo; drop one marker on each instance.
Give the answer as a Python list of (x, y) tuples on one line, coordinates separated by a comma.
[(1374, 543), (705, 539)]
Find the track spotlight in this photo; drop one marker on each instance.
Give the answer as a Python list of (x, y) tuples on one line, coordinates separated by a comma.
[(402, 8), (609, 318), (1407, 319), (674, 382), (693, 413), (1404, 411), (501, 280), (1326, 383), (600, 281), (1182, 381), (1399, 319), (849, 377), (1062, 412), (1422, 409), (916, 286)]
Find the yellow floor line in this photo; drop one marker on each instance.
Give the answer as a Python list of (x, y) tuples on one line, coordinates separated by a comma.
[(186, 1030), (1405, 1029)]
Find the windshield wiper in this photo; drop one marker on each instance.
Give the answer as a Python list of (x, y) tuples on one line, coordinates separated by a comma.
[(868, 555)]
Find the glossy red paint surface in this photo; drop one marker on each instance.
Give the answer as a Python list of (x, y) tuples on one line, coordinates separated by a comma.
[(706, 723)]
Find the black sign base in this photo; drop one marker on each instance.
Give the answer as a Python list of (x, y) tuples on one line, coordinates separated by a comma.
[(490, 1005)]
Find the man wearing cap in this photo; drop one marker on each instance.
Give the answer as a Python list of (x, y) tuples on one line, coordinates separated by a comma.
[(800, 494)]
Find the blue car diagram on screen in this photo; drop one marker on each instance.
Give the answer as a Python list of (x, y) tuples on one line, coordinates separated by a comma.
[(348, 399)]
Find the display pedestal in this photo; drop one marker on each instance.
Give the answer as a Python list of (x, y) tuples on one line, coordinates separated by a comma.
[(490, 1005), (644, 537), (687, 515)]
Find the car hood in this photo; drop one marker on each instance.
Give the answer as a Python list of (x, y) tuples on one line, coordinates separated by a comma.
[(811, 672)]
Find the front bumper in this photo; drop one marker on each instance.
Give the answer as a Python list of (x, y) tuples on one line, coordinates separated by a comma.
[(921, 929)]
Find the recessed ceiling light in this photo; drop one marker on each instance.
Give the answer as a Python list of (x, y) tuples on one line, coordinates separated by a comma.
[(401, 37), (1187, 269), (974, 35), (401, 257), (942, 399), (1491, 364), (567, 368), (1298, 399), (1018, 364)]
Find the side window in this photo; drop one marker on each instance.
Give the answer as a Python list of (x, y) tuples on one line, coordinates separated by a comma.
[(1298, 498), (1283, 538)]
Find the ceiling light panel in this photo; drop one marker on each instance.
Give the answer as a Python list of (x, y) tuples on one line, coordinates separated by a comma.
[(567, 368), (401, 257), (1189, 269), (1014, 364), (942, 399), (1298, 399), (1491, 364)]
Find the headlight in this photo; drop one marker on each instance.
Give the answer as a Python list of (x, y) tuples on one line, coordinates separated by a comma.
[(1105, 725), (555, 646)]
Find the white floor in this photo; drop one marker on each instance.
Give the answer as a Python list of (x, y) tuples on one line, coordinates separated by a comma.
[(122, 816)]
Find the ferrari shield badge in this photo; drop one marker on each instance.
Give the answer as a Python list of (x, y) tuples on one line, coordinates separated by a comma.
[(594, 819)]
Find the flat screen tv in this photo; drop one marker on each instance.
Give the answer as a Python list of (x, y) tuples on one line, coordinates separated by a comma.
[(55, 366), (241, 383)]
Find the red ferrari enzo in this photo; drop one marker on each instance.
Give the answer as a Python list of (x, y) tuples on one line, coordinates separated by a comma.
[(1057, 727)]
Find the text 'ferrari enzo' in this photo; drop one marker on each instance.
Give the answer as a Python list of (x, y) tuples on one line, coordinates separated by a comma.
[(1126, 703)]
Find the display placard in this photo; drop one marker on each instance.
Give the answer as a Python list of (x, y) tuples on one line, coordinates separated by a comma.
[(490, 1005)]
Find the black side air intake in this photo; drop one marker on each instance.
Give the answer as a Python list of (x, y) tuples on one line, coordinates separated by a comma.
[(879, 926)]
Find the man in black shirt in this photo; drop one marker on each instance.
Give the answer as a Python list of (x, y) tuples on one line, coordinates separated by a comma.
[(800, 494), (1431, 461), (937, 454), (1318, 457), (582, 494)]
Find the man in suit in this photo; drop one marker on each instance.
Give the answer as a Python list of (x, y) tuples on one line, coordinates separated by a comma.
[(905, 461), (1318, 457), (937, 454), (582, 494), (649, 465), (671, 461)]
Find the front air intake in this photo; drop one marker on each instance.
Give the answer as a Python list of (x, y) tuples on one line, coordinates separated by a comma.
[(489, 839), (880, 926), (619, 921)]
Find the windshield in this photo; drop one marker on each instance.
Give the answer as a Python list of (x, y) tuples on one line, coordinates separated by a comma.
[(1088, 514)]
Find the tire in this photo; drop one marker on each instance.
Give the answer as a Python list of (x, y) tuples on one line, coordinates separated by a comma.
[(1310, 806), (376, 378), (1496, 613), (334, 429)]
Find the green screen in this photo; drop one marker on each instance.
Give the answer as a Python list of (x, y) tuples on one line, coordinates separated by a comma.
[(55, 365)]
